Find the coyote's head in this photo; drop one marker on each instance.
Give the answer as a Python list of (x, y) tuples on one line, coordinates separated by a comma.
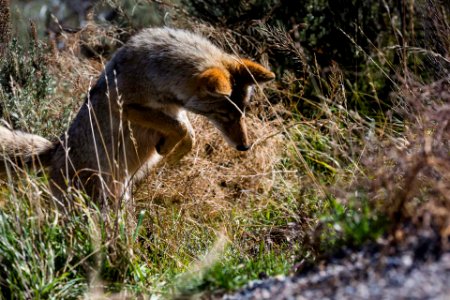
[(222, 95)]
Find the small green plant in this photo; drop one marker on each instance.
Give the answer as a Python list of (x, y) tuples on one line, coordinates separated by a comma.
[(351, 224)]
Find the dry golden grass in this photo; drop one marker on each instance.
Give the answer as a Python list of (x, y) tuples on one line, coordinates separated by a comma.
[(215, 172)]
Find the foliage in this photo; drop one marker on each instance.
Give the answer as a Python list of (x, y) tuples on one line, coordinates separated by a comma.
[(351, 224), (27, 89)]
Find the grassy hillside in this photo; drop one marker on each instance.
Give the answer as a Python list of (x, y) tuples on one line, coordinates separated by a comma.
[(351, 142)]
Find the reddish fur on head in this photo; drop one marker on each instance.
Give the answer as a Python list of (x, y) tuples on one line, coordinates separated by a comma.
[(250, 72), (215, 81), (233, 80)]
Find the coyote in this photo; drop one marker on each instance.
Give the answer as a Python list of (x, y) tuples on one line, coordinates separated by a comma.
[(137, 109)]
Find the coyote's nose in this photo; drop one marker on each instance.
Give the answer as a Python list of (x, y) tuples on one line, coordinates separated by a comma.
[(242, 147)]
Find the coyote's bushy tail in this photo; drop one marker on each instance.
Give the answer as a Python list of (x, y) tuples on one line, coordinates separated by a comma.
[(23, 149)]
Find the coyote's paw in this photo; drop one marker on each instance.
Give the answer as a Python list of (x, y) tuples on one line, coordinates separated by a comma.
[(181, 149)]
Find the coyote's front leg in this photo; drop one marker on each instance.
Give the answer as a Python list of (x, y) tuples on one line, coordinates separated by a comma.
[(185, 145), (173, 130)]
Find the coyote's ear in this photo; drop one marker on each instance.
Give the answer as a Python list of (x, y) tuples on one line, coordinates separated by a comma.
[(215, 82), (251, 72)]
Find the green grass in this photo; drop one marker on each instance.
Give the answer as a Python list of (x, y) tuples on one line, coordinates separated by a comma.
[(49, 255), (234, 270), (39, 247), (351, 224)]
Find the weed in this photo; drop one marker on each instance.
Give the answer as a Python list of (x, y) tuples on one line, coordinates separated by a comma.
[(352, 224), (27, 89)]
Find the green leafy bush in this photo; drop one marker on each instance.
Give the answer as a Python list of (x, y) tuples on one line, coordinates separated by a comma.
[(26, 88)]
